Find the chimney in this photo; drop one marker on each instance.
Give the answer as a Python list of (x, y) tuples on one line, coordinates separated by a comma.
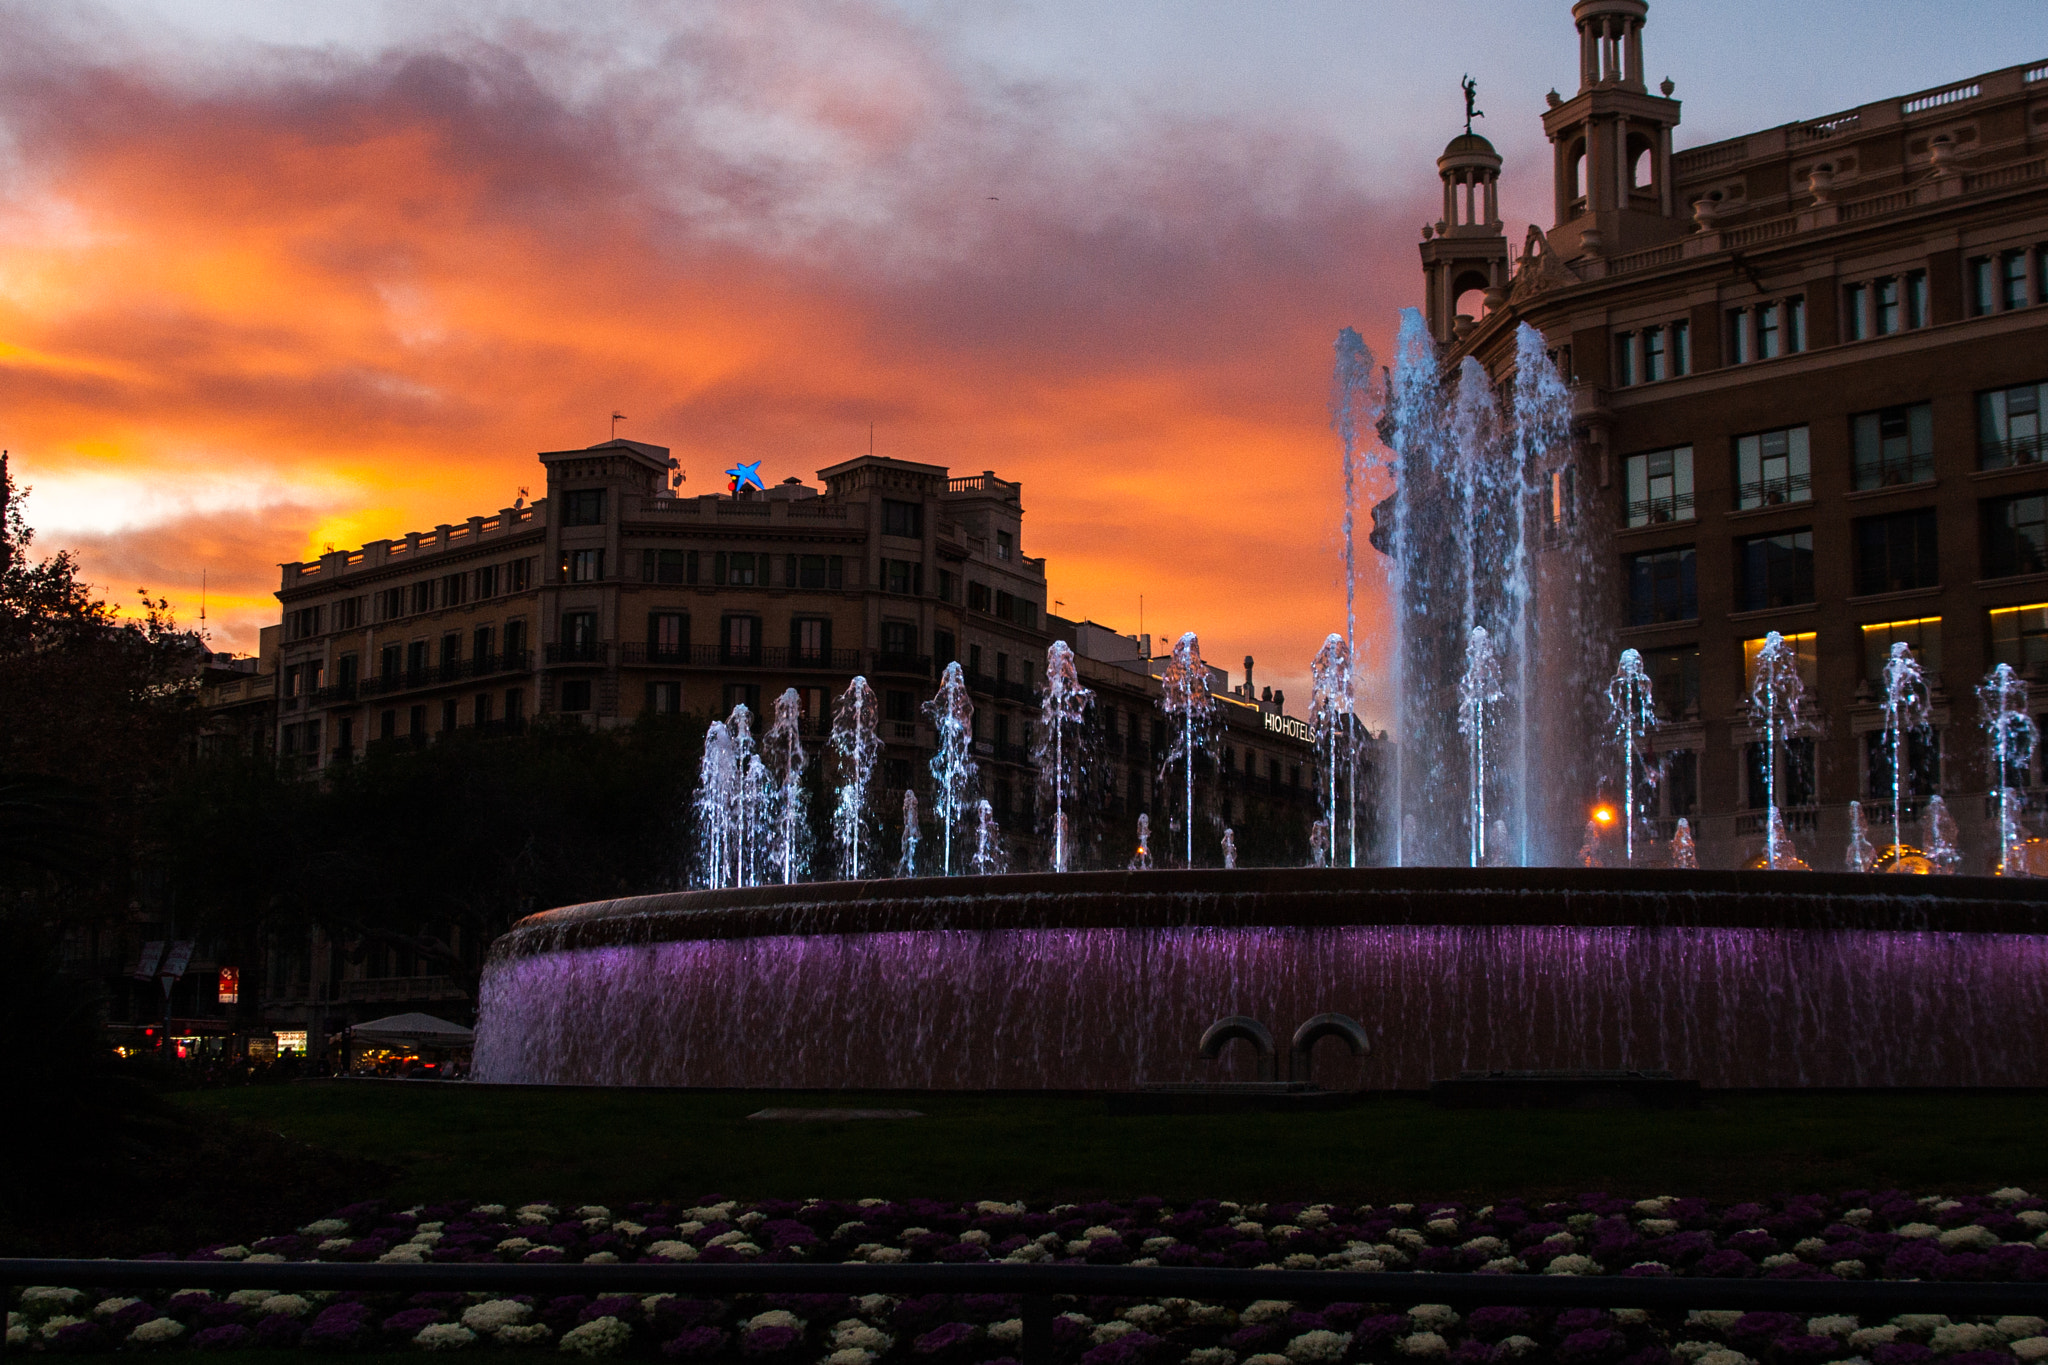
[(1248, 676)]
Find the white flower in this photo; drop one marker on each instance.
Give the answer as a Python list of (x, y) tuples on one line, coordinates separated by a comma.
[(527, 1334), (249, 1298), (2033, 1219), (1810, 1248), (1962, 1336), (1212, 1315), (494, 1315), (751, 1219), (231, 1253), (427, 1237), (1318, 1347), (2031, 1349), (689, 1228), (1153, 1245), (1870, 1338), (336, 1244), (1443, 1227), (1401, 1208), (537, 1210), (1690, 1351), (2010, 1194), (108, 1307), (850, 1356), (1919, 1230), (1110, 1331), (404, 1254), (1427, 1344), (628, 1229), (2016, 1328), (881, 1255), (1436, 1317), (1213, 1355), (730, 1239), (1314, 1216), (1505, 1265), (1724, 1357), (1856, 1218), (1919, 1324), (1559, 1241), (1294, 1260), (443, 1336), (516, 1244), (1391, 1254), (994, 1208), (603, 1336), (1266, 1358), (52, 1326), (673, 1251), (1266, 1310), (1152, 1316), (1653, 1208), (17, 1334), (1249, 1228), (1487, 1246), (1408, 1239), (1848, 1270), (1632, 1317), (1651, 1266), (1970, 1237), (718, 1213), (289, 1305), (1714, 1319), (593, 1211), (1837, 1325), (1028, 1254), (325, 1227), (1008, 1332), (1573, 1265), (601, 1258), (1944, 1205), (157, 1332), (1776, 1259), (1517, 1345), (977, 1237), (869, 1203), (264, 1258), (774, 1317)]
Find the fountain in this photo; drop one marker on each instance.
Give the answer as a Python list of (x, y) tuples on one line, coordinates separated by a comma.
[(906, 860), (783, 759), (855, 746), (1330, 729), (1682, 856), (1478, 690), (1905, 710), (1184, 696), (2010, 736), (1860, 855), (1777, 708), (1355, 396), (951, 712), (1058, 753), (1229, 848), (988, 859), (1632, 714), (1141, 861)]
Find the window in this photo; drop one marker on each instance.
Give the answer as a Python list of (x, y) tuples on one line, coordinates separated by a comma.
[(949, 586), (452, 587), (487, 582), (1677, 794), (521, 571), (1856, 312), (899, 638), (585, 566), (345, 737), (734, 570), (302, 623), (1896, 553), (345, 673), (422, 596), (945, 647), (515, 707), (810, 571), (1795, 773), (450, 714), (1767, 332), (1625, 359), (2012, 279), (1738, 336), (2019, 636), (668, 636), (1923, 635), (1916, 298), (1660, 486), (1804, 654), (390, 604), (451, 653), (1681, 348), (389, 663), (1795, 325), (416, 662), (583, 507), (1885, 294), (2009, 426), (1923, 765), (1771, 468), (1006, 546), (1894, 445), (665, 698), (480, 647), (810, 640), (1674, 681), (899, 706), (480, 708), (1653, 355), (579, 637), (515, 644), (2015, 536), (662, 566), (416, 723), (902, 577), (1775, 570), (1661, 587), (902, 519), (387, 725), (741, 639), (743, 694), (1980, 286), (978, 598), (576, 694)]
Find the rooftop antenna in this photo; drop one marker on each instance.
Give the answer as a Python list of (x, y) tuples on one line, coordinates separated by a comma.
[(202, 599), (617, 417), (871, 439)]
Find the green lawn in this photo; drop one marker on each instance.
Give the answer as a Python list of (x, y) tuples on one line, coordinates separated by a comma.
[(450, 1141)]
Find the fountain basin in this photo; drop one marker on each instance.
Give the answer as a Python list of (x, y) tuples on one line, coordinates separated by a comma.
[(1105, 980)]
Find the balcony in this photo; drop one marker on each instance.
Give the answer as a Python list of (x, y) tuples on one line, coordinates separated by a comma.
[(1017, 692), (1660, 510), (455, 670), (578, 652), (2017, 450), (637, 654), (1774, 492), (1798, 820), (908, 665)]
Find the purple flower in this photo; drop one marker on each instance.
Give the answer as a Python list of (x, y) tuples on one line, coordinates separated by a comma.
[(216, 1314), (230, 1337), (622, 1306), (961, 1251), (987, 1307), (341, 1327), (945, 1339), (1473, 1351), (1379, 1328), (1251, 1340), (128, 1319), (1725, 1265), (771, 1341), (1581, 1320), (1752, 1332), (1648, 1355), (407, 1324), (1128, 1349), (681, 1315), (1596, 1347), (564, 1312), (189, 1303), (1900, 1353), (1493, 1323), (695, 1343), (1805, 1350), (77, 1338), (919, 1312), (278, 1333), (1980, 1358)]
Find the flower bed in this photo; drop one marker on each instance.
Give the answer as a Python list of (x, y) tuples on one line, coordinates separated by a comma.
[(2001, 1236)]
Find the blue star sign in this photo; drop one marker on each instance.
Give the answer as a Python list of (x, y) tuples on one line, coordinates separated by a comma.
[(745, 476)]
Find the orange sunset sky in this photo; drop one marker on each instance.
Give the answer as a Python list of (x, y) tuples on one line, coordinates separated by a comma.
[(274, 278)]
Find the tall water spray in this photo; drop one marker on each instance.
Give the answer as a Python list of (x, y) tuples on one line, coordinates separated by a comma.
[(1941, 836), (784, 760), (1631, 715), (906, 858), (1141, 861), (1905, 711), (1356, 400), (1860, 855), (1058, 755), (1229, 849), (1185, 698), (2010, 735), (1777, 708), (717, 782), (1478, 689), (856, 747), (951, 711), (988, 858), (1329, 718)]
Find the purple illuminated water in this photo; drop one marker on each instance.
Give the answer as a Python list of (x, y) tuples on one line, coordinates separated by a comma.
[(1106, 1007)]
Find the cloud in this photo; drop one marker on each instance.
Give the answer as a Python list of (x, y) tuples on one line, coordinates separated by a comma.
[(302, 295)]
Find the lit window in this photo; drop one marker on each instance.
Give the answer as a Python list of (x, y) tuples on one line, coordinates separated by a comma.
[(2013, 279), (1922, 634), (2009, 426), (1804, 654), (1771, 468), (1894, 445), (2019, 636), (1660, 486)]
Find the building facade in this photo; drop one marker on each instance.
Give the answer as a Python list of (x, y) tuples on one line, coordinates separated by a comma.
[(1807, 366)]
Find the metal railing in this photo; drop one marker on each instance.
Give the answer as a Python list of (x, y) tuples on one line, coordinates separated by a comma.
[(1798, 820), (455, 670), (578, 651), (885, 661), (1773, 492), (712, 656), (2014, 450), (1656, 511), (1039, 1286)]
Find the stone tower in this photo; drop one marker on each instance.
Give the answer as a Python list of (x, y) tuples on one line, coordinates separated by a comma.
[(1466, 249), (1611, 142)]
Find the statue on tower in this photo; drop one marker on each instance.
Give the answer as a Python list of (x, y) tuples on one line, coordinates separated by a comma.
[(1472, 109)]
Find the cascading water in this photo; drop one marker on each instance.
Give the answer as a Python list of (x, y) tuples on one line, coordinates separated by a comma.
[(1141, 861), (717, 778), (1184, 697), (906, 859), (1631, 715), (2010, 735), (1777, 708), (856, 747), (1355, 403), (1479, 687), (1905, 711), (988, 858), (1329, 718), (1318, 838), (783, 757), (1229, 849), (749, 785), (1860, 855), (1941, 836), (1682, 852), (951, 712), (1058, 754)]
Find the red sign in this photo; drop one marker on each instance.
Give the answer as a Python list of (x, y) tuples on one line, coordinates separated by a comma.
[(230, 985)]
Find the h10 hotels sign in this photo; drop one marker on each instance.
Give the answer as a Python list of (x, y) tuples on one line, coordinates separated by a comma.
[(1287, 725)]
